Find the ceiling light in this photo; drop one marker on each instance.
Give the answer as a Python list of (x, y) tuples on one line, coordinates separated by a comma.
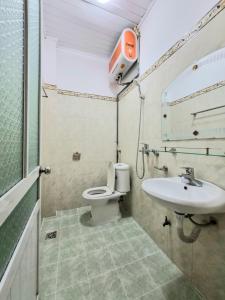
[(103, 1)]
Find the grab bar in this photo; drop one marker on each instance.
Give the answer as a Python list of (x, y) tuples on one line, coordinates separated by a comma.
[(202, 111)]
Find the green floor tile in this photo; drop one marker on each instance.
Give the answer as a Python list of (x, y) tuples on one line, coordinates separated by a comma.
[(143, 245), (107, 287), (131, 229), (124, 221), (117, 261), (70, 272), (48, 272), (50, 224), (47, 297), (67, 212), (136, 280), (122, 253), (154, 295), (81, 291), (98, 262), (114, 235), (86, 230), (47, 287), (161, 268), (93, 241), (49, 254), (70, 248), (69, 233), (69, 220)]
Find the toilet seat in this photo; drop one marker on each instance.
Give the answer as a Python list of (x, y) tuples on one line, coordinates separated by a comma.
[(97, 192), (101, 193)]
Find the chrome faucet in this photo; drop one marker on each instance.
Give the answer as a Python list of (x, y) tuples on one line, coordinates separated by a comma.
[(190, 177)]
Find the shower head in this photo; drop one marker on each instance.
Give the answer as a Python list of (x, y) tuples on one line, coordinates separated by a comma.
[(141, 96)]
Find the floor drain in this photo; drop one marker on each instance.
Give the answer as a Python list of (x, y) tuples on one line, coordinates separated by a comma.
[(51, 235)]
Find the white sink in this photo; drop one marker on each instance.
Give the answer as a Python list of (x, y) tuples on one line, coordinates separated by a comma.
[(180, 197)]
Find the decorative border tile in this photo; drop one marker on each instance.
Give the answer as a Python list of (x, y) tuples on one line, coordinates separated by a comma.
[(78, 94), (48, 86), (198, 93), (179, 44), (85, 95)]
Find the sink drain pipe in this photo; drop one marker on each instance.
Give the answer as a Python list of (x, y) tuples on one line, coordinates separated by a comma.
[(180, 230), (195, 231)]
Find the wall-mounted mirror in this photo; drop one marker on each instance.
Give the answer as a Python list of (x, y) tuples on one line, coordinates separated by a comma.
[(193, 106)]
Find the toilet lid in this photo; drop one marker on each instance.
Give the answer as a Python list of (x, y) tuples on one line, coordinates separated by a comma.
[(111, 177)]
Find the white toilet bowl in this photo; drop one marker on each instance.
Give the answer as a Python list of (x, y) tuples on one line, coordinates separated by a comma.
[(104, 199)]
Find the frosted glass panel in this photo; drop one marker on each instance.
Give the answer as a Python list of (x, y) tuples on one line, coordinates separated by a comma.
[(11, 93), (12, 228), (33, 82)]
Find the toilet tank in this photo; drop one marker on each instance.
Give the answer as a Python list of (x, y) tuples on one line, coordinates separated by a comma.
[(122, 177)]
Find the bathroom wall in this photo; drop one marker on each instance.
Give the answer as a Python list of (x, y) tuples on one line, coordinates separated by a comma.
[(74, 122), (203, 261), (167, 22), (49, 56), (73, 70), (79, 115), (74, 66)]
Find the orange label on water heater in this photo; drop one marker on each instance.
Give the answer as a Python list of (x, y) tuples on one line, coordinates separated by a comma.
[(130, 45)]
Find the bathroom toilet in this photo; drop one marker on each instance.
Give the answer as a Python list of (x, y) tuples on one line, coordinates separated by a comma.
[(104, 199)]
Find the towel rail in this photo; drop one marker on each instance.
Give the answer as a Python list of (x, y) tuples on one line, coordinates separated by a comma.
[(209, 109)]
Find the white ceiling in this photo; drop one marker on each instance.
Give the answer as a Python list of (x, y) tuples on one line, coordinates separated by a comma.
[(88, 25)]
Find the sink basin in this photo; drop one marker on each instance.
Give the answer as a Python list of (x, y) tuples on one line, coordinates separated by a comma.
[(180, 197)]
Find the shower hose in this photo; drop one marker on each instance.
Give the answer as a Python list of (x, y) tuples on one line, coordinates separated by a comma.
[(142, 174)]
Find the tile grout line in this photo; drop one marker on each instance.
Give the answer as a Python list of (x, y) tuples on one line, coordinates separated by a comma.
[(86, 268), (57, 268), (116, 270), (110, 244), (105, 247), (100, 231), (112, 270), (162, 285), (127, 239)]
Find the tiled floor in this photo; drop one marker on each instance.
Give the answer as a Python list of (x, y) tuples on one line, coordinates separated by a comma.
[(117, 261)]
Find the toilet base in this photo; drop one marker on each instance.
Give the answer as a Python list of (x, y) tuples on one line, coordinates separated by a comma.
[(105, 213)]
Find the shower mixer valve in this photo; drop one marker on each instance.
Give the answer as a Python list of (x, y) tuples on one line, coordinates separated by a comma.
[(146, 149)]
